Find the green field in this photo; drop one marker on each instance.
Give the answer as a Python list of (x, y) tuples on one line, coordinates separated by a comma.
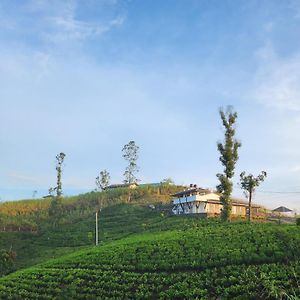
[(204, 261), (149, 254), (38, 241)]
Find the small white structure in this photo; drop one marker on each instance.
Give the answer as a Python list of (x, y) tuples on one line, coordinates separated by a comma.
[(206, 202), (122, 185), (284, 211)]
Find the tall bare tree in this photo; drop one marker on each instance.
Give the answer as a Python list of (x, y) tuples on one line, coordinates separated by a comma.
[(228, 157), (248, 184), (130, 153)]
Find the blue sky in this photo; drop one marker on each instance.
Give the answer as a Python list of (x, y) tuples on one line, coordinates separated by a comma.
[(86, 77)]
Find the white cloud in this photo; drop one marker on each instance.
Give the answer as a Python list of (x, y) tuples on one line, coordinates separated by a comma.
[(17, 177), (68, 27), (45, 21), (278, 80)]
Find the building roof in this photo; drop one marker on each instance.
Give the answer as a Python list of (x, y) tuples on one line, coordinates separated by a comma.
[(235, 202), (192, 191), (121, 185), (201, 191), (282, 209)]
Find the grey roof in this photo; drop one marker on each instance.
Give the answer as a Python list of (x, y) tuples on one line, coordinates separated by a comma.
[(120, 185), (282, 209), (191, 191), (236, 202)]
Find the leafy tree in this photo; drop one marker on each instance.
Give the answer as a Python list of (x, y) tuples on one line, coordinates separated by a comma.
[(102, 181), (130, 153), (228, 157), (248, 184), (59, 162), (55, 209), (167, 181), (7, 258)]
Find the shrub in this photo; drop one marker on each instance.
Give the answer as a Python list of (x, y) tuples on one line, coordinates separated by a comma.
[(298, 221)]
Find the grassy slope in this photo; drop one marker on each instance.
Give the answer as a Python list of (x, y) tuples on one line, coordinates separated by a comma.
[(202, 259), (145, 254), (115, 222), (77, 228)]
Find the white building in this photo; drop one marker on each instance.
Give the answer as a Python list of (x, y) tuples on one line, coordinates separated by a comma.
[(203, 201)]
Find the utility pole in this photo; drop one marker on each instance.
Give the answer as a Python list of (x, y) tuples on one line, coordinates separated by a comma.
[(96, 228)]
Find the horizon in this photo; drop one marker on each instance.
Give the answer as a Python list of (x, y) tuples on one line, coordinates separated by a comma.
[(86, 77)]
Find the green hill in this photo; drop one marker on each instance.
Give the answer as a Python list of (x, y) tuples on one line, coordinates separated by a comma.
[(202, 260), (144, 253), (26, 228)]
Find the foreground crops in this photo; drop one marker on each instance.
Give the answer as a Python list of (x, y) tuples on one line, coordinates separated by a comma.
[(216, 261)]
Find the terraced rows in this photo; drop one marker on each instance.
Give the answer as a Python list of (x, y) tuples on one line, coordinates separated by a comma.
[(236, 261)]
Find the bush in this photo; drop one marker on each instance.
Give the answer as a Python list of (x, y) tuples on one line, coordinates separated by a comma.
[(7, 259), (298, 221)]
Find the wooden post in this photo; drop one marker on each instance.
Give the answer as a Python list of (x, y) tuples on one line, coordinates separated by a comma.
[(96, 242)]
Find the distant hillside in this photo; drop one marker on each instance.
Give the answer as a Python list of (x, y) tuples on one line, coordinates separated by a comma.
[(197, 260)]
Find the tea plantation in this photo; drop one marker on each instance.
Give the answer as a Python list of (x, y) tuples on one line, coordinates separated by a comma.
[(195, 260)]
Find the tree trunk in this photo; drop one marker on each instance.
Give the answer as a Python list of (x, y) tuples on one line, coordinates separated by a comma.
[(249, 208)]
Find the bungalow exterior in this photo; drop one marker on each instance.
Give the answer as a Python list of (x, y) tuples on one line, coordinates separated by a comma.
[(206, 203)]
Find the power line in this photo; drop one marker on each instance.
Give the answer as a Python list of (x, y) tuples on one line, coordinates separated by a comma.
[(277, 192)]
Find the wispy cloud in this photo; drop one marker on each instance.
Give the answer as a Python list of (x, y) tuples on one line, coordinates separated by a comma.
[(278, 80), (68, 28), (22, 178), (46, 21)]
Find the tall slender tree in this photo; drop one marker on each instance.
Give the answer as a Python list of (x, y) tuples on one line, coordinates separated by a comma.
[(102, 180), (130, 153), (59, 162), (228, 157), (248, 184), (55, 209)]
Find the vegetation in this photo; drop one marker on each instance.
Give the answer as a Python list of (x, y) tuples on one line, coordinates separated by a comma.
[(130, 153), (59, 162), (202, 260), (102, 180), (27, 228), (228, 158), (167, 181), (55, 209), (249, 183), (145, 253), (7, 258)]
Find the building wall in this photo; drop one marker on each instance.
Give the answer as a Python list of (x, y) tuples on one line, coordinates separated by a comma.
[(213, 208), (203, 207), (239, 210), (193, 198), (133, 186), (189, 208)]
